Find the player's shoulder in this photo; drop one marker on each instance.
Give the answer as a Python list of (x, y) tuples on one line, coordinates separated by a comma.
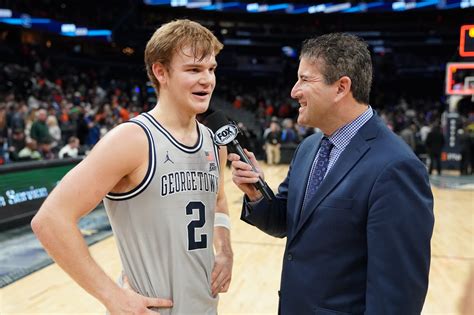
[(126, 139), (127, 133), (122, 150)]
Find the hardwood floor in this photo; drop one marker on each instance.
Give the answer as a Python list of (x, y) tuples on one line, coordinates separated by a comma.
[(257, 265)]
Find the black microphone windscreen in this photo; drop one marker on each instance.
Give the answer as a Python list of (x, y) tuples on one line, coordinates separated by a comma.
[(216, 120)]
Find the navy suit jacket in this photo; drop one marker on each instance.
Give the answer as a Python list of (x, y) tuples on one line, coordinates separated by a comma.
[(362, 246)]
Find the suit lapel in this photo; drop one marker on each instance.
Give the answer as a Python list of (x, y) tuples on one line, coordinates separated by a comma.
[(347, 160)]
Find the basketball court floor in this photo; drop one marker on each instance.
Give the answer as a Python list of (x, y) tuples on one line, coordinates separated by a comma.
[(257, 264)]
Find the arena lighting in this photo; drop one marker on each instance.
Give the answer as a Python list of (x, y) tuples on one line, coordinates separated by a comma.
[(5, 13), (24, 21), (316, 8), (466, 42), (99, 33), (276, 7), (237, 42), (362, 7), (157, 2), (68, 28), (198, 4), (256, 7), (221, 6), (338, 7), (296, 8), (402, 5), (253, 7), (289, 51), (299, 10), (49, 25), (423, 4), (466, 4), (82, 31), (178, 3)]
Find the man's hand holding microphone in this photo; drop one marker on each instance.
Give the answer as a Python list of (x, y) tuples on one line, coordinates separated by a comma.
[(245, 176), (246, 172)]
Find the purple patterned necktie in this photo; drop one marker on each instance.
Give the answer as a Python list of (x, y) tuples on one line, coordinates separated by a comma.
[(318, 170)]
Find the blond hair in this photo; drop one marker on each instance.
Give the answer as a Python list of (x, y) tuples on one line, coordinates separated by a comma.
[(172, 37)]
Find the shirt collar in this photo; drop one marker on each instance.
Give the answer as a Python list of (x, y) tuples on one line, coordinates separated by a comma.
[(344, 135)]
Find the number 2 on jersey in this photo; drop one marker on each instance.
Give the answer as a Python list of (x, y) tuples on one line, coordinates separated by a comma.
[(194, 224)]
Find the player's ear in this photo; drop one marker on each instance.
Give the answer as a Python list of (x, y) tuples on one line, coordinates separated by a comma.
[(160, 71)]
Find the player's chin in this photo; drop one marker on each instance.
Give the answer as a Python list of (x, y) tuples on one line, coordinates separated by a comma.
[(201, 107)]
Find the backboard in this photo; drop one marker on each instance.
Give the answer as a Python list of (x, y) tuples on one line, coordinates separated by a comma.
[(466, 41), (460, 78)]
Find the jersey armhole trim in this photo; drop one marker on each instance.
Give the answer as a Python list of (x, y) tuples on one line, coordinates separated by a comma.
[(149, 173)]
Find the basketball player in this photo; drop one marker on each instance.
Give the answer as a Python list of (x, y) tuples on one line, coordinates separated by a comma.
[(160, 176)]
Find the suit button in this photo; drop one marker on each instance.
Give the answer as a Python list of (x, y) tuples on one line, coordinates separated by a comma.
[(289, 257)]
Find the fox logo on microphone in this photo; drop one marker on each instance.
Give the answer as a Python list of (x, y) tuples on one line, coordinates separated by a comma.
[(225, 134)]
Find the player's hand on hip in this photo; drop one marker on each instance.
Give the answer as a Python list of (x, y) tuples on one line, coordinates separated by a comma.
[(244, 176), (131, 302), (221, 273)]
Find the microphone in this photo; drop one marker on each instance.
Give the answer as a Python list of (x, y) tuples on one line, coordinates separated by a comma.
[(225, 133)]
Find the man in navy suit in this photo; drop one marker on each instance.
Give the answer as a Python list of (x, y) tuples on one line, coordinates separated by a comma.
[(356, 206)]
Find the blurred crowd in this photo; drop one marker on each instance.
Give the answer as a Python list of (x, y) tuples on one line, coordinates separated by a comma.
[(420, 122), (54, 109), (48, 106)]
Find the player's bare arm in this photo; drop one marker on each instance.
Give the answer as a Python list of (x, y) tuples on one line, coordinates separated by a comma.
[(116, 163), (222, 272)]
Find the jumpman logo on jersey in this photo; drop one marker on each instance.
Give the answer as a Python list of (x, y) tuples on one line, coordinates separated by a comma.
[(168, 158)]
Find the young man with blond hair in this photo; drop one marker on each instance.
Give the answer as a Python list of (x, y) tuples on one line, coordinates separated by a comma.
[(161, 179)]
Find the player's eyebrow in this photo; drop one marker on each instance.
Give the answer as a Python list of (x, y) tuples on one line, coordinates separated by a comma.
[(199, 65)]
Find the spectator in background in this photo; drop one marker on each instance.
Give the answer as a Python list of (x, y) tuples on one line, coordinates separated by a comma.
[(123, 113), (17, 143), (30, 151), (424, 131), (272, 143), (284, 110), (3, 151), (39, 130), (46, 151), (54, 131), (237, 103), (434, 145), (82, 130), (408, 135), (71, 149), (465, 150), (3, 121), (246, 137), (93, 135), (18, 120), (289, 133), (3, 133)]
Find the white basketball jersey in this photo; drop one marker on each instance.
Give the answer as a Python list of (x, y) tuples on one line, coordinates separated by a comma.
[(164, 226)]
